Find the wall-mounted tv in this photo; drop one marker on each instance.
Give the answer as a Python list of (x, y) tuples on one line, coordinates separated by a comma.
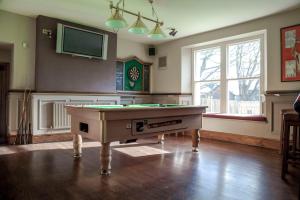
[(80, 42)]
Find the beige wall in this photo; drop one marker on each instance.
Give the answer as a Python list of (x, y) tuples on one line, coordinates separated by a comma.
[(127, 48), (16, 29), (177, 66)]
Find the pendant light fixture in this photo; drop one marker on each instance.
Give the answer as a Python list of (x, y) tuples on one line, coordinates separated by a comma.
[(116, 21), (138, 27), (157, 33)]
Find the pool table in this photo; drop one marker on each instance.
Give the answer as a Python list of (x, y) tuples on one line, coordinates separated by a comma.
[(109, 123)]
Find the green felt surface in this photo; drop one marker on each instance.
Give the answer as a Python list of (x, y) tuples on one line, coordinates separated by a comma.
[(104, 106), (142, 105)]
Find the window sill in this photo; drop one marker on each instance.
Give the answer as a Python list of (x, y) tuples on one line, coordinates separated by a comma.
[(257, 118)]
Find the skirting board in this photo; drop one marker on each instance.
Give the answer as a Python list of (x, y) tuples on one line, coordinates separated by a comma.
[(227, 137), (45, 138), (241, 139), (60, 137)]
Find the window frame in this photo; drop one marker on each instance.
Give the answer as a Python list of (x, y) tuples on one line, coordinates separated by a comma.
[(224, 44), (206, 81)]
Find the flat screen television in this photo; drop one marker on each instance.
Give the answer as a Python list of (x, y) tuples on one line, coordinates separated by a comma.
[(80, 42)]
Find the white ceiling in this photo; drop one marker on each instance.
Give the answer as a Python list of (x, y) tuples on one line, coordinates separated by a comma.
[(188, 16)]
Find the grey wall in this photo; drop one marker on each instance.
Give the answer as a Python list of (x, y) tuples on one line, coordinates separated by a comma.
[(65, 73)]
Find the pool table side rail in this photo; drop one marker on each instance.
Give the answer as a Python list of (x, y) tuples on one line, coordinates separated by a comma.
[(128, 109), (135, 113)]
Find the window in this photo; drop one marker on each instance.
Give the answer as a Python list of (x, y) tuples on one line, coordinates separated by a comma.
[(228, 76), (208, 78)]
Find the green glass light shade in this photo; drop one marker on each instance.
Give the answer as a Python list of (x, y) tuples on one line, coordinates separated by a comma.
[(116, 21), (138, 27), (157, 33)]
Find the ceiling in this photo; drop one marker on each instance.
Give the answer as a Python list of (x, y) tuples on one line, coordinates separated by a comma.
[(188, 16)]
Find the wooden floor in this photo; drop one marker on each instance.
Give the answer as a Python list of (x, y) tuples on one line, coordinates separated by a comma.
[(218, 171)]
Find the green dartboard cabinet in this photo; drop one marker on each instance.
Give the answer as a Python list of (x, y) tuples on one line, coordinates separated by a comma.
[(133, 75)]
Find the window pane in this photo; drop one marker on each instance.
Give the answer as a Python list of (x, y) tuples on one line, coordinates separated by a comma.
[(208, 94), (244, 96), (244, 60), (208, 64)]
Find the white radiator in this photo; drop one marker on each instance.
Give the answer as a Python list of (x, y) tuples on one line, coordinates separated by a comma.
[(61, 120)]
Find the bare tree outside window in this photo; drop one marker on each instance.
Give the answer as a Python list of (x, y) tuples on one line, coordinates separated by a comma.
[(208, 74), (243, 69), (243, 76)]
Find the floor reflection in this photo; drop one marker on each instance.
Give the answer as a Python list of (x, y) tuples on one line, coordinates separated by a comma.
[(140, 151), (13, 149), (222, 171)]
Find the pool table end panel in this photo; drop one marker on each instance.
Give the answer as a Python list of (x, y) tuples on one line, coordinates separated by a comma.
[(88, 128)]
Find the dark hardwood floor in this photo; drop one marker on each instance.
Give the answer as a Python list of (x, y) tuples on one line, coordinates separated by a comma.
[(218, 171)]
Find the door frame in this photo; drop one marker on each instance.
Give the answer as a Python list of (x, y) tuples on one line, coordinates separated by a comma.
[(7, 71)]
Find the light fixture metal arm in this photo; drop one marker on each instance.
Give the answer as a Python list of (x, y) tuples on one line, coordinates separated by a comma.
[(135, 14)]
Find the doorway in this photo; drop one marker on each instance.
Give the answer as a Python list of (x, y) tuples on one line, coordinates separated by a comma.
[(4, 86)]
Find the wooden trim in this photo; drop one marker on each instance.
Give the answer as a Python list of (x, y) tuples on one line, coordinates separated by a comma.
[(11, 139), (133, 58), (96, 93), (188, 94), (59, 137), (133, 92), (19, 91), (258, 118), (62, 92), (241, 139), (227, 137), (278, 92), (118, 93), (78, 92)]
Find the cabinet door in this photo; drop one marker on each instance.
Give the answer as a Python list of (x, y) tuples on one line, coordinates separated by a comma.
[(120, 76), (146, 78)]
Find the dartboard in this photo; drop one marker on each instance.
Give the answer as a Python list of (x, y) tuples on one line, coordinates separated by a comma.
[(134, 74)]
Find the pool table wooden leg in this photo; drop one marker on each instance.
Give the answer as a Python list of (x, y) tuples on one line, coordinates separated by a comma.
[(161, 138), (77, 145), (105, 158), (195, 140)]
